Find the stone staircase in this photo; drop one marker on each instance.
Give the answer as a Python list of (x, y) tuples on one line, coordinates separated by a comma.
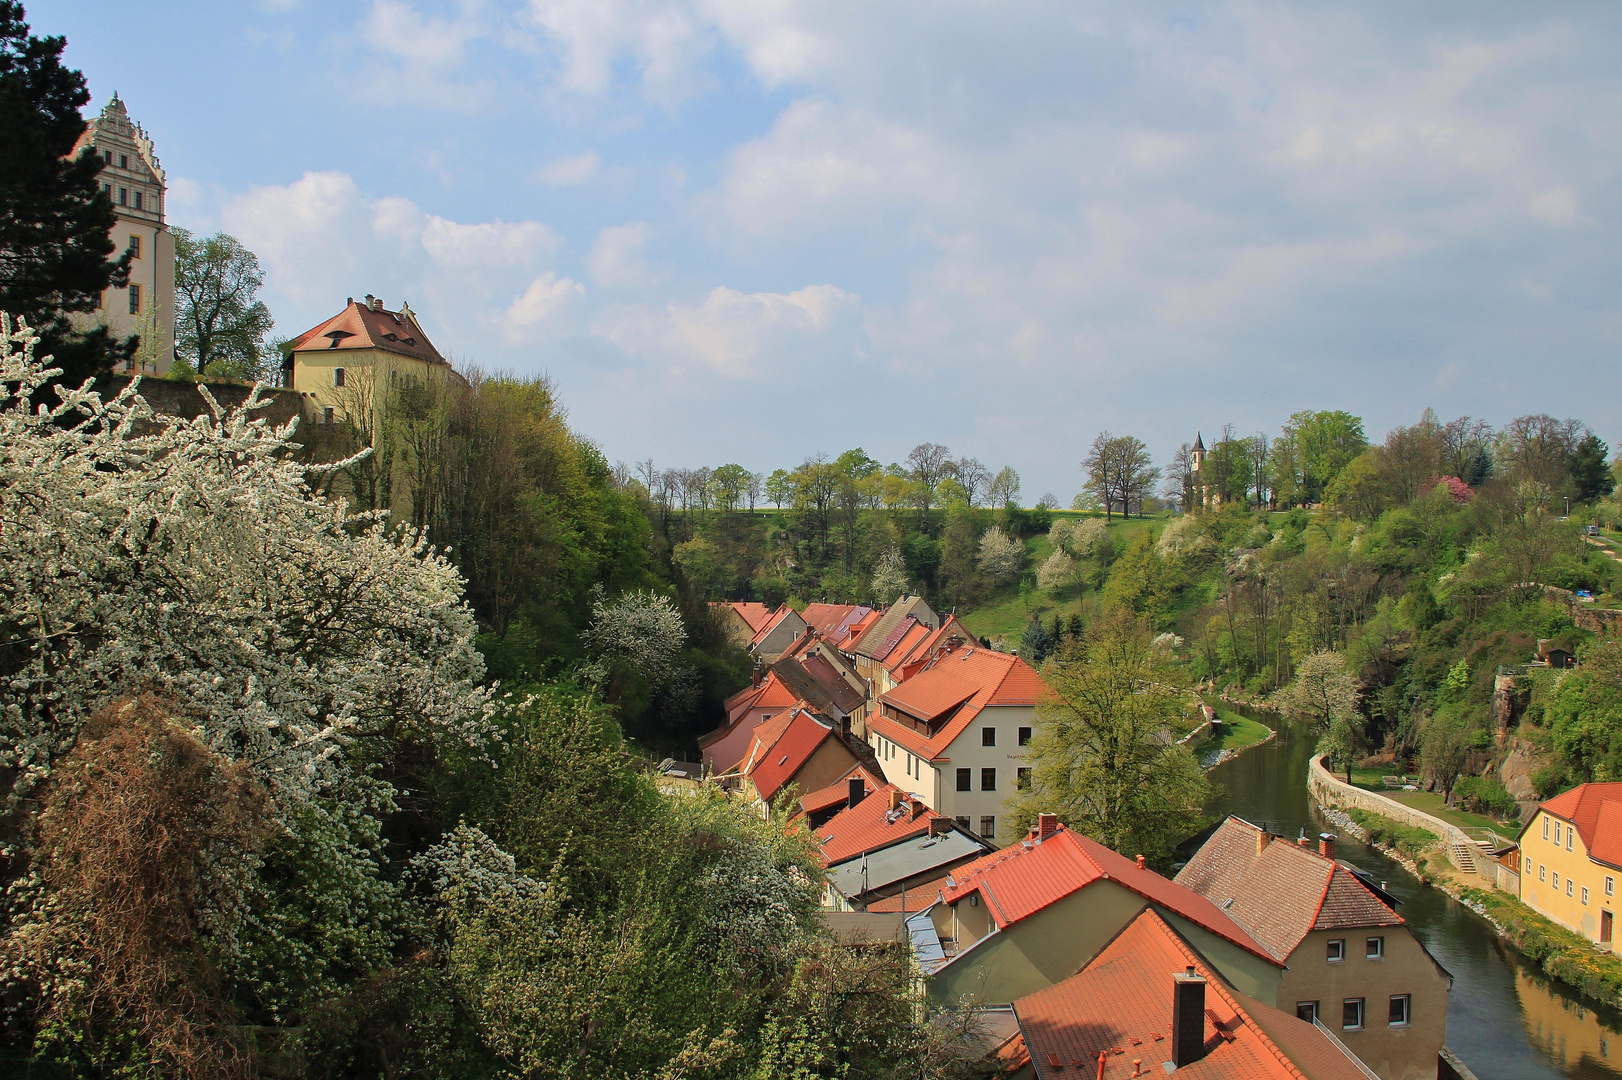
[(1464, 857)]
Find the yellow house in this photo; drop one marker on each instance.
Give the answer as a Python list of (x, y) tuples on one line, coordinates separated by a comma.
[(1571, 857), (345, 369)]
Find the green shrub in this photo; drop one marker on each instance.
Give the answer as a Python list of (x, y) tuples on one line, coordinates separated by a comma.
[(1485, 795)]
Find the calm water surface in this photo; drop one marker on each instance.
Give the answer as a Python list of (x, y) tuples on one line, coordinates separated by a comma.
[(1504, 1018)]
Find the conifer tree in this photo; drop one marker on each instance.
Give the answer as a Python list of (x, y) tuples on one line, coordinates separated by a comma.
[(55, 223)]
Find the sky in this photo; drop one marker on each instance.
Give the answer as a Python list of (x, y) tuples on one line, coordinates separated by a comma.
[(756, 230)]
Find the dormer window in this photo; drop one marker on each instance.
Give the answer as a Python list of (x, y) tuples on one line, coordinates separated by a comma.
[(391, 337), (336, 336)]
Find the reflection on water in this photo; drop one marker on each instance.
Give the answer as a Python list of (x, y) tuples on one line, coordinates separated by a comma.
[(1568, 1031), (1504, 1018)]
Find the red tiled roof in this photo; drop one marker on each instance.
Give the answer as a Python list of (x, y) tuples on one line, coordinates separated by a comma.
[(359, 327), (1120, 1004), (999, 678), (928, 698), (909, 658), (781, 745), (871, 824), (770, 694), (1026, 877), (838, 791), (753, 614), (765, 628), (835, 621), (916, 898), (1589, 807), (1282, 893)]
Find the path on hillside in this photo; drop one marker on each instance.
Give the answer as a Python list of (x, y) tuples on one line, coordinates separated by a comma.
[(1605, 546)]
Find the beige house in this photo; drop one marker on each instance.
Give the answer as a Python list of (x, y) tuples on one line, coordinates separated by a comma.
[(1352, 962), (132, 178), (954, 734), (1571, 856), (346, 368)]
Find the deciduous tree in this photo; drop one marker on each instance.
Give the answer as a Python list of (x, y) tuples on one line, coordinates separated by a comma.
[(221, 325)]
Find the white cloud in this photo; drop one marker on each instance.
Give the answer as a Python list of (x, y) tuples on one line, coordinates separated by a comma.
[(570, 171), (547, 299), (413, 59), (1557, 206), (616, 260), (739, 335), (664, 40), (321, 239)]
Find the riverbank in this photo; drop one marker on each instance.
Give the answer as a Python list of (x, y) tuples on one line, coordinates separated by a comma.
[(1564, 956)]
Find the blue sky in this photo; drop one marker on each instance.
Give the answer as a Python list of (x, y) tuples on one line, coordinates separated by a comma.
[(752, 230)]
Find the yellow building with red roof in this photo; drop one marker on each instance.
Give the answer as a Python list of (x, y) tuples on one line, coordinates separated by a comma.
[(1571, 857)]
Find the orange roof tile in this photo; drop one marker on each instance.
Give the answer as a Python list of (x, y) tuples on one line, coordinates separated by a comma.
[(838, 791), (781, 745), (908, 659), (871, 824), (1588, 806), (916, 898), (359, 327), (835, 621), (999, 678), (1120, 1005), (1026, 877), (755, 615)]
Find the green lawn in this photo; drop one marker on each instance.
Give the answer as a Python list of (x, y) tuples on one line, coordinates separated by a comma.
[(1238, 732), (1428, 802)]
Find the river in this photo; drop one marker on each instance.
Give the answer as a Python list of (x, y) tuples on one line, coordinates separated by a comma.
[(1504, 1018)]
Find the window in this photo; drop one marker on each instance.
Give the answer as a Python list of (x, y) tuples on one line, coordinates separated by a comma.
[(1571, 833), (1528, 866), (1024, 736), (137, 200), (1351, 1015), (988, 826), (988, 736), (1610, 886), (1400, 1004), (1022, 779), (135, 247), (338, 377), (988, 779), (1557, 834), (1543, 872), (1556, 876), (963, 821), (123, 196), (135, 299), (1545, 828), (107, 190), (1375, 949), (1307, 1010), (1568, 884), (964, 780), (1337, 950), (123, 161), (326, 415), (107, 156), (1585, 896)]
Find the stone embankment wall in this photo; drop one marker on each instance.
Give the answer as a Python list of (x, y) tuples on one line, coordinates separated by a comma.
[(1331, 791), (182, 399)]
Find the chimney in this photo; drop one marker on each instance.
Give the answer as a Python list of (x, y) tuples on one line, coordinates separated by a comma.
[(1263, 838), (374, 302), (1326, 845), (895, 799), (940, 826), (1187, 1018), (858, 791), (1046, 825), (1301, 841), (1142, 863)]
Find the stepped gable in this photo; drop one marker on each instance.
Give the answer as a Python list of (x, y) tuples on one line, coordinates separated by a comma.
[(1596, 810), (1120, 1006), (359, 326), (1282, 891), (1024, 878), (996, 678)]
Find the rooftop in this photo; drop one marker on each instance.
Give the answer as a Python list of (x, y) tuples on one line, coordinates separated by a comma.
[(995, 678), (1024, 878), (780, 746), (1278, 890), (1120, 1005), (359, 326), (1596, 810)]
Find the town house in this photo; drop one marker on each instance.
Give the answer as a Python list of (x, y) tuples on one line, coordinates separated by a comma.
[(1351, 962), (1571, 857)]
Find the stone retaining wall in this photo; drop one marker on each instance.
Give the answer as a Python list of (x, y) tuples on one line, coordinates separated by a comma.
[(1329, 790)]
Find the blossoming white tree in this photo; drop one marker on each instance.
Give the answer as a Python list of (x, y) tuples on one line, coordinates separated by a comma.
[(1002, 557), (191, 558)]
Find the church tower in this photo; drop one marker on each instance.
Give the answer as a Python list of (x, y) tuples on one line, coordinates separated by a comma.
[(1198, 490), (133, 179)]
